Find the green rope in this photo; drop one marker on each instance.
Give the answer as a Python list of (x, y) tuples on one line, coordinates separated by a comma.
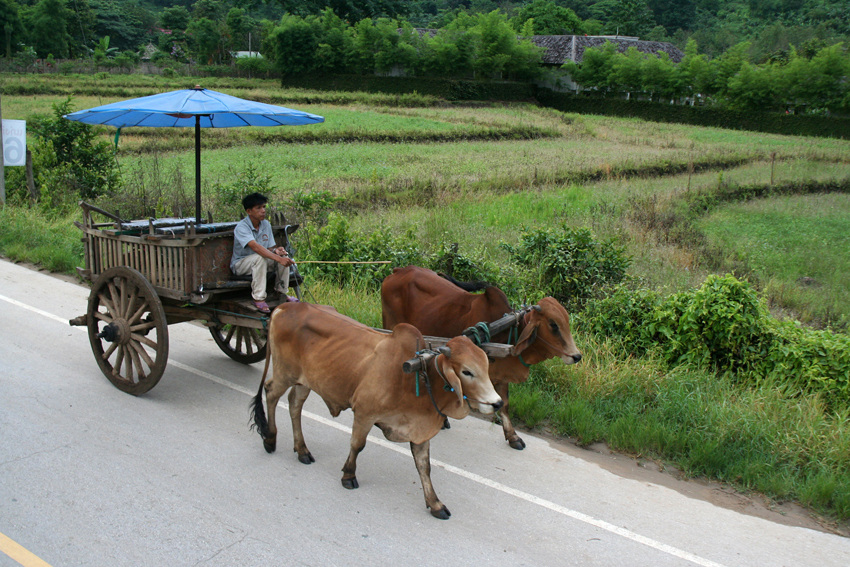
[(479, 334), (512, 340)]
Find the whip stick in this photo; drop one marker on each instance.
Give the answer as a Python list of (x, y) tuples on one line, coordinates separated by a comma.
[(341, 262)]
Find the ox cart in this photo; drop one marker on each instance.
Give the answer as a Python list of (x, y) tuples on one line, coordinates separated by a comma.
[(148, 274)]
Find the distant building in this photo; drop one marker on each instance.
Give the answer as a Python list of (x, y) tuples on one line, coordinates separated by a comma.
[(562, 48), (240, 54)]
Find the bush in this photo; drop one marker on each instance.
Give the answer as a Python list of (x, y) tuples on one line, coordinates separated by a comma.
[(725, 327), (68, 161), (335, 243), (567, 264)]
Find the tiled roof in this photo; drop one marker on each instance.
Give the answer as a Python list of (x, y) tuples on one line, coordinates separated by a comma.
[(563, 48)]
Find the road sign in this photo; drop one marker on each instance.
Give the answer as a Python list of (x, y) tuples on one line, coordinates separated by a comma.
[(14, 142)]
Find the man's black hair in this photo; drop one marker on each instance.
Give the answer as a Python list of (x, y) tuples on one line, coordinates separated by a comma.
[(254, 199)]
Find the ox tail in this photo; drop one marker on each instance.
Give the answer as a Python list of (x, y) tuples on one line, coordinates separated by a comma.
[(258, 412), (466, 286)]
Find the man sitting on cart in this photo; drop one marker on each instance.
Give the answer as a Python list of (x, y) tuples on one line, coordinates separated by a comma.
[(255, 252)]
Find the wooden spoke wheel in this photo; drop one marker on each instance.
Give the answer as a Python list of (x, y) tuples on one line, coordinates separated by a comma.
[(128, 330), (243, 344)]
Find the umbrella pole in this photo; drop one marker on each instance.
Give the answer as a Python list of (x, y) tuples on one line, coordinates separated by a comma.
[(198, 169)]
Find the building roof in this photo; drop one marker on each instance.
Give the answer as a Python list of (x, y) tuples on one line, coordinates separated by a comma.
[(563, 48)]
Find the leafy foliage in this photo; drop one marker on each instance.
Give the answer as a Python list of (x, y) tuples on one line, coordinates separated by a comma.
[(70, 161), (568, 264), (724, 326)]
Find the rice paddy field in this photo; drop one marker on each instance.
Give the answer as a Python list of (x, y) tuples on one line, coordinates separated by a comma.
[(684, 202)]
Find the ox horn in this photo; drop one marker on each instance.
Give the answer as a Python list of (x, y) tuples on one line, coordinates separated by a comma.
[(537, 308), (445, 351)]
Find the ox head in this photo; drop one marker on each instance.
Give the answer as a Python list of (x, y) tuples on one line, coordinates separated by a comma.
[(466, 369), (547, 334)]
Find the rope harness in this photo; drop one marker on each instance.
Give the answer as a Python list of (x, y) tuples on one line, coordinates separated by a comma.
[(480, 332), (424, 370)]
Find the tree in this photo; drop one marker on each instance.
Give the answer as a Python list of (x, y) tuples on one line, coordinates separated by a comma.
[(81, 28), (102, 51), (351, 10), (175, 19), (673, 14), (336, 47), (238, 26), (659, 77), (596, 68), (627, 71), (822, 81), (754, 88), (124, 28), (47, 24), (211, 9), (206, 41), (548, 19), (295, 42), (695, 72), (727, 66), (10, 23), (625, 17)]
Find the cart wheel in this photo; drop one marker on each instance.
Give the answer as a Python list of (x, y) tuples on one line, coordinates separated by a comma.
[(128, 330), (243, 344)]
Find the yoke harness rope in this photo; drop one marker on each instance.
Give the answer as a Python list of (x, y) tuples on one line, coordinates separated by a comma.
[(480, 334), (420, 355)]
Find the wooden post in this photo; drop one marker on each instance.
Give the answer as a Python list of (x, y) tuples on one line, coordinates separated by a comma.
[(772, 165), (30, 181), (690, 173)]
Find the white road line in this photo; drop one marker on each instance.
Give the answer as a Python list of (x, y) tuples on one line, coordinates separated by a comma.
[(530, 498)]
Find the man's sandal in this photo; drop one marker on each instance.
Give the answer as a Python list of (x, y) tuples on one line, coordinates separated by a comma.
[(262, 306)]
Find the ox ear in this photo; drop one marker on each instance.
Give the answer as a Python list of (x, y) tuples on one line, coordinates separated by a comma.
[(452, 378), (526, 337)]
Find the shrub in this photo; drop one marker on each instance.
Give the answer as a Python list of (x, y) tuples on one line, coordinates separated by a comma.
[(725, 327), (567, 264), (336, 243)]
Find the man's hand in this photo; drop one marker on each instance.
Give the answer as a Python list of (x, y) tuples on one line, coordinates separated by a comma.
[(283, 256)]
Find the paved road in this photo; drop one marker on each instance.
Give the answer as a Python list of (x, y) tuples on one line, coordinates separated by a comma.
[(92, 476)]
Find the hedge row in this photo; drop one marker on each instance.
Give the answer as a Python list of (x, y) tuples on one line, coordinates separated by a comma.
[(447, 89), (768, 122)]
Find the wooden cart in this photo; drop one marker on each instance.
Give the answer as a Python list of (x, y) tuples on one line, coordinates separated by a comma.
[(149, 274)]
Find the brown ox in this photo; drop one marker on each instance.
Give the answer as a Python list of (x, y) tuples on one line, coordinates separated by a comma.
[(353, 366), (442, 308)]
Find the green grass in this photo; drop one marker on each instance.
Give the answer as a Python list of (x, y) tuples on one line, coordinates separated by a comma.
[(797, 245), (28, 236)]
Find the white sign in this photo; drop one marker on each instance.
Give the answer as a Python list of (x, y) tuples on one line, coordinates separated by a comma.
[(14, 142)]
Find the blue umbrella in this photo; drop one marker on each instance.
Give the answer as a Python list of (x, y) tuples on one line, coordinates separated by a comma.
[(201, 108)]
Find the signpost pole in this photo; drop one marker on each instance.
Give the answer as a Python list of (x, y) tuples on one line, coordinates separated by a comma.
[(2, 157)]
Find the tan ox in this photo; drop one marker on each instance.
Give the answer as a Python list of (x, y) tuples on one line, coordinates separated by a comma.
[(353, 366), (442, 308)]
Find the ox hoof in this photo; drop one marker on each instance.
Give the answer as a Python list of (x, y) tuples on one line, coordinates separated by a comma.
[(446, 424), (517, 443), (270, 445), (350, 483), (306, 458), (441, 513)]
